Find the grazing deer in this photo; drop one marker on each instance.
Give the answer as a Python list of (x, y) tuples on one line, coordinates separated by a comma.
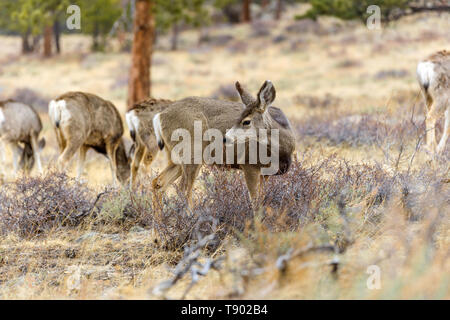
[(139, 120), (226, 117), (433, 74), (21, 124), (83, 121)]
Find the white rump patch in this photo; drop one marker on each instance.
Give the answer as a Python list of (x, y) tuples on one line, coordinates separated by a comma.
[(425, 73), (58, 112), (157, 129), (132, 121), (2, 117)]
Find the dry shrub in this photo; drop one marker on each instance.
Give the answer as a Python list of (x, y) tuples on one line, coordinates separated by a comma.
[(393, 73), (222, 204), (261, 28), (226, 92), (32, 98), (31, 206), (326, 101), (304, 26)]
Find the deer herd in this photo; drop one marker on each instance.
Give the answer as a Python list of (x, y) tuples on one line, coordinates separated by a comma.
[(84, 121)]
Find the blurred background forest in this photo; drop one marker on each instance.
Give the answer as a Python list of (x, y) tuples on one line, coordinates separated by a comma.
[(41, 24), (362, 191)]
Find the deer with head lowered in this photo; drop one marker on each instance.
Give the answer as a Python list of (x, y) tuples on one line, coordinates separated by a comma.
[(83, 121), (21, 124), (229, 120), (433, 74), (139, 119)]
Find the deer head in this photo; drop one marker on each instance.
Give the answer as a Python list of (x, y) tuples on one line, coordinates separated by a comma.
[(123, 161), (255, 115)]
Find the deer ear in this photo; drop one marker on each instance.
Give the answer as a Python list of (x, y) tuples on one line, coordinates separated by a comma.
[(246, 97), (266, 95)]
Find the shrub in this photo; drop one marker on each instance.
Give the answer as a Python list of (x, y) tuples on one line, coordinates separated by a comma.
[(31, 206)]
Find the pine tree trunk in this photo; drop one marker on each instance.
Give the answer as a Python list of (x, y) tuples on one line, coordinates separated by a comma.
[(278, 9), (246, 15), (57, 34), (139, 82), (26, 47), (47, 41), (174, 40)]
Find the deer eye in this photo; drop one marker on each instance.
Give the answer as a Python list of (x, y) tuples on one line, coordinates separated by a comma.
[(246, 123)]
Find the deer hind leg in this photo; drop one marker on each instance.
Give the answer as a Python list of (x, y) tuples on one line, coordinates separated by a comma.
[(81, 160), (430, 124), (2, 157), (2, 152), (36, 152), (67, 155), (252, 179), (137, 158), (17, 152), (445, 133), (190, 172)]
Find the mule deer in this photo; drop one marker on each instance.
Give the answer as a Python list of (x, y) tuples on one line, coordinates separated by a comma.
[(83, 121), (21, 124), (139, 120), (226, 117), (433, 74)]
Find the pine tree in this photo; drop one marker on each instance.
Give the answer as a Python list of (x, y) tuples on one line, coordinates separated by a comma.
[(139, 82)]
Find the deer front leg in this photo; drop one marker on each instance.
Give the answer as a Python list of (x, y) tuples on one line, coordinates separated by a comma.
[(252, 179), (445, 133), (138, 155), (171, 173)]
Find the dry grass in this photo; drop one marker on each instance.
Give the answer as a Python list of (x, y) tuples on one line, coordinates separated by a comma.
[(362, 191)]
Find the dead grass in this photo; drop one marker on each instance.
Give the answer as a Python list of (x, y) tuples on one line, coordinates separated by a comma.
[(362, 191)]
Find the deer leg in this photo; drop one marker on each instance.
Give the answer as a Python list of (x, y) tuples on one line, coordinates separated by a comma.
[(111, 152), (430, 124), (137, 158), (67, 154), (171, 173), (2, 152), (190, 172), (36, 152), (252, 179), (2, 157), (16, 151), (81, 161), (445, 133)]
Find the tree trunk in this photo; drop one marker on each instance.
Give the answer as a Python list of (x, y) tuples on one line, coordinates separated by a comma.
[(95, 35), (174, 40), (139, 82), (47, 41), (278, 9), (57, 34), (246, 15), (26, 47)]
